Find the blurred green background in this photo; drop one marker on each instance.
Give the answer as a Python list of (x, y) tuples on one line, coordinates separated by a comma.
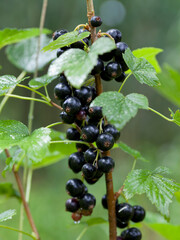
[(148, 23)]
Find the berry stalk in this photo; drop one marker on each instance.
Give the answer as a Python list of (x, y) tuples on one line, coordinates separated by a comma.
[(109, 179)]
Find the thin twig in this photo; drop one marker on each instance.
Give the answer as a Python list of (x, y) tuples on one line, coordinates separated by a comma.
[(117, 194), (55, 105)]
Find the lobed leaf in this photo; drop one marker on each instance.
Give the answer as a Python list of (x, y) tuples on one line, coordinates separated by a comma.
[(13, 35), (95, 221), (4, 216), (159, 190), (119, 109), (23, 55), (175, 116), (143, 71), (65, 40), (77, 64), (41, 81), (7, 82)]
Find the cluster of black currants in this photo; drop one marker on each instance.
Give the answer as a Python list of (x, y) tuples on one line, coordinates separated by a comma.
[(110, 65), (124, 214)]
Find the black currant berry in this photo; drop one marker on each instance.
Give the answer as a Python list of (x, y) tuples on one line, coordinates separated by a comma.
[(121, 78), (63, 79), (76, 161), (81, 147), (88, 201), (59, 33), (96, 21), (72, 205), (113, 131), (75, 187), (90, 133), (105, 141), (119, 238), (90, 155), (107, 56), (72, 105), (131, 234), (113, 69), (84, 94), (105, 164), (120, 224), (124, 212), (61, 91), (72, 134), (139, 214), (89, 170), (120, 49), (95, 113), (81, 115), (76, 216), (104, 201), (94, 94), (67, 118), (59, 52), (116, 34), (80, 44), (98, 68), (105, 76)]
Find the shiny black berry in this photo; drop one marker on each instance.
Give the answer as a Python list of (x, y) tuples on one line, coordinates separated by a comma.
[(67, 118), (95, 113), (75, 187), (88, 170), (84, 94), (72, 105), (72, 134), (72, 205), (90, 133), (120, 49), (76, 161), (113, 69), (81, 147), (116, 34), (96, 21), (113, 131), (131, 234), (104, 201), (98, 68), (59, 52), (120, 224), (121, 78), (61, 91), (59, 33), (81, 115), (63, 79), (124, 212), (80, 44), (88, 201), (90, 155), (105, 141), (105, 164), (105, 76), (139, 214), (107, 56), (94, 94)]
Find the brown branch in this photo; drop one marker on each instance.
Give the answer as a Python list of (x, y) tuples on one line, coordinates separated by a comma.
[(55, 105), (26, 207), (117, 194), (108, 176)]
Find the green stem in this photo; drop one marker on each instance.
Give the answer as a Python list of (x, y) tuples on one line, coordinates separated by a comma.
[(17, 230), (33, 90), (82, 234), (54, 124), (6, 97), (124, 82), (28, 98), (134, 164), (47, 94), (161, 115), (29, 182)]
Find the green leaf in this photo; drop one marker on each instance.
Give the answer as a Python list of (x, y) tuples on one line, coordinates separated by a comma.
[(41, 81), (159, 190), (120, 109), (152, 217), (36, 145), (177, 195), (143, 71), (6, 189), (169, 231), (77, 64), (12, 35), (95, 221), (175, 116), (65, 40), (134, 153), (149, 53), (23, 55), (57, 151), (170, 84), (11, 133), (6, 82), (4, 216)]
